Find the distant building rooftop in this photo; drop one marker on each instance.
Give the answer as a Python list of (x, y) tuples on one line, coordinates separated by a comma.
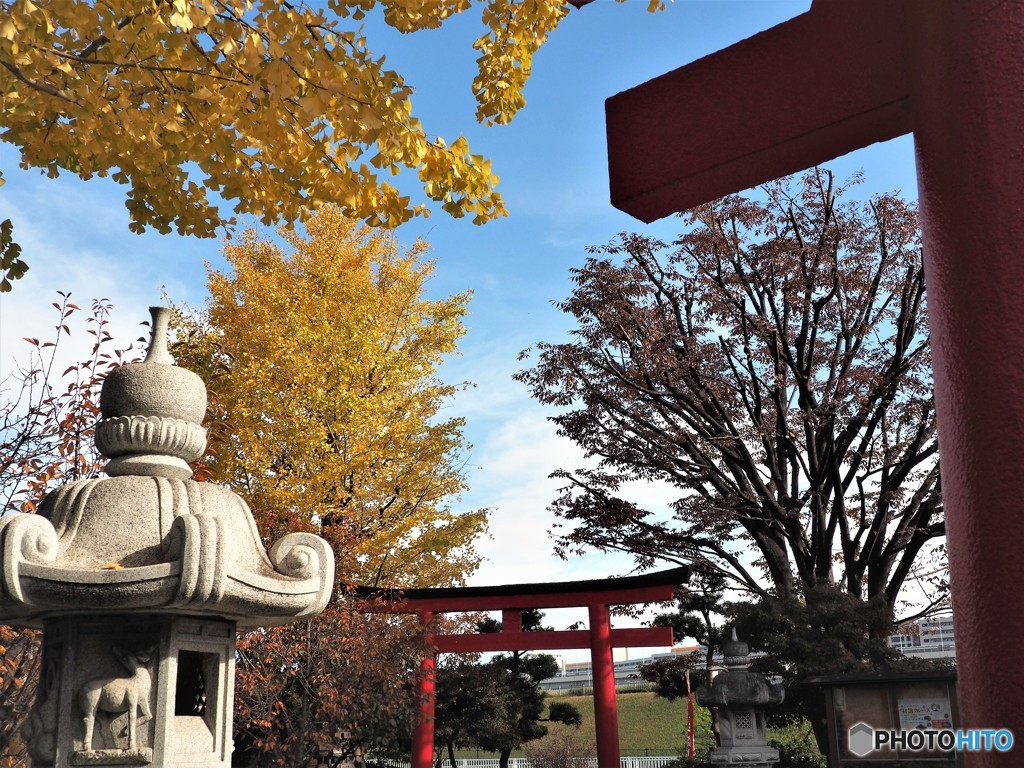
[(929, 638), (579, 676)]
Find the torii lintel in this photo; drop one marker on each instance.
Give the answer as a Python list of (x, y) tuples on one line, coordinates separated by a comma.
[(820, 85)]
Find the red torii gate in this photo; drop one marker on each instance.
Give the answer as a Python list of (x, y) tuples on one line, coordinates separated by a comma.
[(595, 595), (839, 77)]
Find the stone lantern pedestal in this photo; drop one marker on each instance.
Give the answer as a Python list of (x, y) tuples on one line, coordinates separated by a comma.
[(132, 688), (740, 698), (140, 581)]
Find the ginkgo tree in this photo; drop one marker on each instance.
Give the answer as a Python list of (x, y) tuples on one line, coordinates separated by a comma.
[(275, 106), (327, 414)]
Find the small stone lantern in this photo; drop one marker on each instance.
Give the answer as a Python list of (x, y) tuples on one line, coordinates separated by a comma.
[(740, 697), (139, 582)]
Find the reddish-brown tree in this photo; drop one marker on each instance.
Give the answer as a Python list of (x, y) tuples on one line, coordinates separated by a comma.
[(774, 366), (342, 682), (47, 415), (19, 671), (46, 439)]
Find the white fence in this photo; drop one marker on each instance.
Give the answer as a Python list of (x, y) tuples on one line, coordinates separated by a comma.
[(523, 762)]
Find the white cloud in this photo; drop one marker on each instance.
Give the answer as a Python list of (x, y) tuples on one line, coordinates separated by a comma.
[(512, 479), (512, 474), (74, 236)]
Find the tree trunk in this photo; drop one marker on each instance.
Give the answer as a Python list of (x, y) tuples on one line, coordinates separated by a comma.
[(299, 754), (451, 754), (503, 758)]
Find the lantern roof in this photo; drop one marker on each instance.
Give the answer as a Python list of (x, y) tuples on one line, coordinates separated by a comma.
[(149, 538)]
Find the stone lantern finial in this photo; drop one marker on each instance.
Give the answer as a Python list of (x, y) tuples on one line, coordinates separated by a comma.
[(152, 413), (158, 352), (139, 582)]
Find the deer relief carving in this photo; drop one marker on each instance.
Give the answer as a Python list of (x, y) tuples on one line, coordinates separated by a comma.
[(117, 696)]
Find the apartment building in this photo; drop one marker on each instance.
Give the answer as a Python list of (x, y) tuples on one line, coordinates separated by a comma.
[(929, 638)]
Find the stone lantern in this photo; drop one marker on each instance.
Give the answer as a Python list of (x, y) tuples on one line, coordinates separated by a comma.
[(139, 582), (740, 697)]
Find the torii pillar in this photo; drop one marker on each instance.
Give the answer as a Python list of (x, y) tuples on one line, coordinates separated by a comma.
[(837, 78)]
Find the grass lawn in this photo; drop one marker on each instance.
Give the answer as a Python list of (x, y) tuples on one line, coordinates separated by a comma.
[(647, 724)]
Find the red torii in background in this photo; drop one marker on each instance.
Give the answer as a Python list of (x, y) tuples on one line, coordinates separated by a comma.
[(837, 78), (512, 599)]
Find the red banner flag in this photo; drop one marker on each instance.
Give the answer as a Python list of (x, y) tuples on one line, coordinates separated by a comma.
[(690, 749)]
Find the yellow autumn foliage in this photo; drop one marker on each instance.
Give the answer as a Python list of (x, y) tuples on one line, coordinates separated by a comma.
[(278, 107), (321, 361)]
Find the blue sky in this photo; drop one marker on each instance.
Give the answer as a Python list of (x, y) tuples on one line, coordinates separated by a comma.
[(553, 168)]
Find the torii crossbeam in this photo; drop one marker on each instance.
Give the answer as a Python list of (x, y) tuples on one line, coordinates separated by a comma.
[(842, 76), (511, 599)]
